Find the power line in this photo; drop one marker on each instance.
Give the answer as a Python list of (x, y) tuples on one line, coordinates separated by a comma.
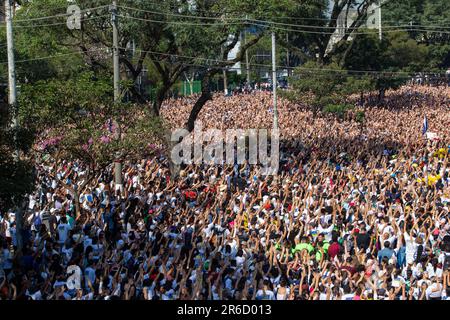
[(327, 27), (180, 22), (179, 14), (223, 21), (230, 17), (224, 18), (242, 19), (278, 67), (56, 23), (61, 15), (274, 27), (351, 32), (52, 56)]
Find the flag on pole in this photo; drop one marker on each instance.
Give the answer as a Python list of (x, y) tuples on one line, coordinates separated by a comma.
[(425, 125), (246, 221)]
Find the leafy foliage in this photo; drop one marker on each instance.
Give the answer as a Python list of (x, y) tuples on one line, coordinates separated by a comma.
[(83, 122), (326, 87), (16, 177)]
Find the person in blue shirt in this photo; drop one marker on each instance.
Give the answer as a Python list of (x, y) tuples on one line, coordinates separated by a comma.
[(386, 252)]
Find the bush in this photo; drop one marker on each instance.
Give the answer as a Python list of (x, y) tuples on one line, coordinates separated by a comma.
[(360, 115)]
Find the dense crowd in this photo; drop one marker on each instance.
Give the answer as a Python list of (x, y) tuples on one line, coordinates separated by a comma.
[(358, 211)]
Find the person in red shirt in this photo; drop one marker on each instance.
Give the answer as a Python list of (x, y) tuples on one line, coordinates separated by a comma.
[(348, 266), (335, 247)]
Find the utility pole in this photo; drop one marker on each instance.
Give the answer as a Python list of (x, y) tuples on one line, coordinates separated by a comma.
[(247, 66), (13, 107), (11, 73), (225, 82), (115, 52), (380, 34), (117, 163), (287, 55), (224, 72), (274, 83)]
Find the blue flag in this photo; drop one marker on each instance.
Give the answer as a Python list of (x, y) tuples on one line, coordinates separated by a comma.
[(425, 125)]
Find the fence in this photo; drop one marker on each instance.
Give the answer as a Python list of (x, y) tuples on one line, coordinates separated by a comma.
[(184, 88), (187, 89)]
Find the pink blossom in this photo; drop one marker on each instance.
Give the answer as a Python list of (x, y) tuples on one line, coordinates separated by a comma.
[(50, 142), (105, 139)]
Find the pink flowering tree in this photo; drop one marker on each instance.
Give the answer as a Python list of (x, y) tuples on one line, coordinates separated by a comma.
[(77, 122)]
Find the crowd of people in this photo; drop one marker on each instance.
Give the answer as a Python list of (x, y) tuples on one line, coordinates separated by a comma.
[(246, 87), (358, 211)]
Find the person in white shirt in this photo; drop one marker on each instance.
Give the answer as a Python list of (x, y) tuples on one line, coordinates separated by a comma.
[(63, 230), (411, 247), (325, 230), (434, 292), (282, 292), (265, 293)]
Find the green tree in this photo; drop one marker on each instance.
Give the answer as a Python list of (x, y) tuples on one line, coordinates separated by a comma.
[(326, 87), (428, 24), (166, 37), (16, 177), (76, 120), (319, 22), (388, 62), (16, 174)]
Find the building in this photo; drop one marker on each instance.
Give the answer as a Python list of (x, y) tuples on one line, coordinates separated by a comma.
[(232, 55), (346, 18), (373, 16)]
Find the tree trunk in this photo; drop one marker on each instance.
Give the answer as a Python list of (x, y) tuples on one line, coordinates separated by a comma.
[(19, 228), (160, 96), (76, 199), (201, 101), (225, 82), (156, 106), (190, 124), (118, 173), (137, 95), (381, 95)]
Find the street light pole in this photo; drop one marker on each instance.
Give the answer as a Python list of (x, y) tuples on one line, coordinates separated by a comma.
[(225, 82), (115, 52), (287, 55), (12, 97), (117, 163), (224, 72), (380, 34), (247, 66), (274, 83), (13, 107)]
